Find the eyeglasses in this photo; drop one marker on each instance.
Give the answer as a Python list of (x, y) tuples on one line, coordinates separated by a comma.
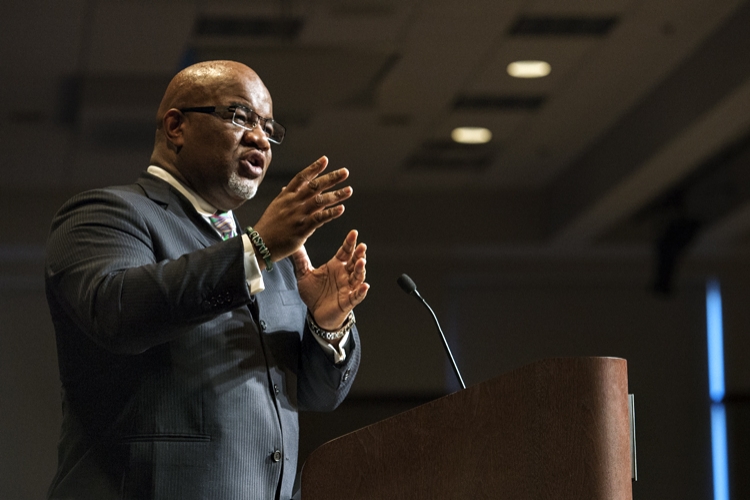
[(244, 117)]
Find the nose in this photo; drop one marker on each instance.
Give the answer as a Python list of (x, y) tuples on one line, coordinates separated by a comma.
[(256, 137)]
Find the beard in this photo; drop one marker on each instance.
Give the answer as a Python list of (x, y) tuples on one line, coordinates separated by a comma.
[(244, 188)]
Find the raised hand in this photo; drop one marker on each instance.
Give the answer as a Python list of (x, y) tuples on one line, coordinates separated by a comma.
[(332, 290), (304, 205)]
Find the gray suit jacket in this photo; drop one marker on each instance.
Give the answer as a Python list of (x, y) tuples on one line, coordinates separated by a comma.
[(171, 388)]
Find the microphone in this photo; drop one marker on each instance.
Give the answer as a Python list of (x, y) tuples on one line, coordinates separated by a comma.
[(407, 285)]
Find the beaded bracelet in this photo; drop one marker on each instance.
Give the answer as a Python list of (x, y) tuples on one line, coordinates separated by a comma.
[(328, 335), (262, 250)]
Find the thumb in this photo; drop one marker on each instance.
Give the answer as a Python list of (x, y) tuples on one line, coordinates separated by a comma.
[(301, 261)]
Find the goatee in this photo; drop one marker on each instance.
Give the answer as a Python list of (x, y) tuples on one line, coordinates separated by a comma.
[(244, 188)]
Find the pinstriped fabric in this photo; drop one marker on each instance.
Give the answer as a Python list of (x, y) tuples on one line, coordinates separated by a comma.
[(171, 388)]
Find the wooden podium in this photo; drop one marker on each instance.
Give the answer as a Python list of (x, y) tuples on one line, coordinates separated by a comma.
[(555, 429)]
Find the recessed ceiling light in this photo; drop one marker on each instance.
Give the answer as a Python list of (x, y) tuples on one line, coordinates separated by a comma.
[(471, 135), (529, 69)]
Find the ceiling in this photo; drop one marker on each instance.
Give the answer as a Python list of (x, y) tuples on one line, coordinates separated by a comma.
[(640, 134)]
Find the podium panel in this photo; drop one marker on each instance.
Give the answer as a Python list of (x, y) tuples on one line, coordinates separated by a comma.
[(554, 429)]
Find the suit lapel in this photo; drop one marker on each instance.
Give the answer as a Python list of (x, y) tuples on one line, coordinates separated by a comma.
[(161, 193)]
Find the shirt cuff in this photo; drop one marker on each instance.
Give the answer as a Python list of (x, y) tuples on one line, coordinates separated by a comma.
[(252, 269), (339, 354)]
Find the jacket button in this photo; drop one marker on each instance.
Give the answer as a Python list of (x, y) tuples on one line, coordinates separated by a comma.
[(275, 388), (263, 325), (276, 456), (346, 375)]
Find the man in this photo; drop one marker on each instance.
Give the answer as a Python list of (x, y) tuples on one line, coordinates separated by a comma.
[(186, 347)]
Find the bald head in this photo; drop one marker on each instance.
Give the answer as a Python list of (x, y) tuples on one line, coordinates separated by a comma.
[(203, 148), (200, 83)]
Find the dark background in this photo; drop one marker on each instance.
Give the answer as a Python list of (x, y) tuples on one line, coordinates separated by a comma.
[(612, 190)]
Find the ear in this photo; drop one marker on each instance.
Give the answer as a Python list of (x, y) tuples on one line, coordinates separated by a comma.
[(174, 125)]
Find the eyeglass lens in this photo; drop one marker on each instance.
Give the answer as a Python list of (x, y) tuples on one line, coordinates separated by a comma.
[(248, 118)]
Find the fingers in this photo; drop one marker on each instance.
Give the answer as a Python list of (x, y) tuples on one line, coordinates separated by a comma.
[(310, 200), (312, 192), (346, 250), (308, 174), (325, 216), (358, 295), (311, 181), (355, 257), (331, 197), (358, 274), (326, 181), (358, 255), (332, 290)]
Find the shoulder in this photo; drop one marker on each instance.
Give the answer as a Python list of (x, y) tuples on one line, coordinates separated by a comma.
[(125, 208), (108, 194), (97, 201), (145, 195)]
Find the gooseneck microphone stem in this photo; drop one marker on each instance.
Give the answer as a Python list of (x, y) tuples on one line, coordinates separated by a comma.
[(406, 283), (445, 342)]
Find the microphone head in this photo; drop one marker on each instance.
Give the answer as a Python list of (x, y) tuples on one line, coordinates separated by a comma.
[(406, 284)]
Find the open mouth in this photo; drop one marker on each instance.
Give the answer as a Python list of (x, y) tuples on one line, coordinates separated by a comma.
[(253, 164)]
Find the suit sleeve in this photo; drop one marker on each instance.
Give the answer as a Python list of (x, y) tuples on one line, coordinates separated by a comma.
[(320, 384), (323, 385), (102, 270)]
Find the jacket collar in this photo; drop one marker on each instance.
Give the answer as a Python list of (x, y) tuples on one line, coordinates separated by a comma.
[(159, 190), (169, 198)]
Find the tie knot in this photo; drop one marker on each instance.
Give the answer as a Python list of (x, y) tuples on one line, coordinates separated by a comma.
[(224, 223)]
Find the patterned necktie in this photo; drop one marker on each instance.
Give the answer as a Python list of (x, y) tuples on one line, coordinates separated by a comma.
[(224, 223)]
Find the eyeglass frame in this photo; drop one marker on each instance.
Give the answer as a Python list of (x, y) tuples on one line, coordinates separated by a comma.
[(260, 120)]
